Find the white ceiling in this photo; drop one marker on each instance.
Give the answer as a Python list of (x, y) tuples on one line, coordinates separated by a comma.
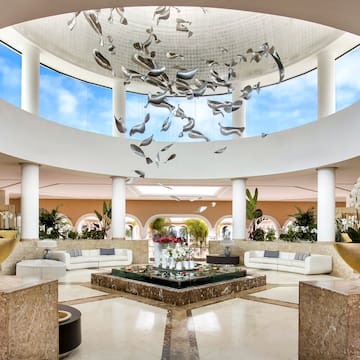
[(66, 184)]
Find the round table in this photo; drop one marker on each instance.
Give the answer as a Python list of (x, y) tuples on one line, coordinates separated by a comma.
[(69, 331), (43, 269)]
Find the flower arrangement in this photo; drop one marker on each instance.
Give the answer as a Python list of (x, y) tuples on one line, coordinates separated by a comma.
[(167, 239)]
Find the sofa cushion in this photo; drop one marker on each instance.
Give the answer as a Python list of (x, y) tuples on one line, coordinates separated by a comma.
[(106, 258), (91, 252), (74, 252), (286, 255), (294, 263), (264, 260), (301, 256), (84, 259), (271, 253), (110, 251)]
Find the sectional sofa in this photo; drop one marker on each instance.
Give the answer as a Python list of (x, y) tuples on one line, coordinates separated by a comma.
[(302, 263), (92, 258)]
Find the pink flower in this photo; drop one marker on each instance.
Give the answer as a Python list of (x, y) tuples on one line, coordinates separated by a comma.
[(165, 240)]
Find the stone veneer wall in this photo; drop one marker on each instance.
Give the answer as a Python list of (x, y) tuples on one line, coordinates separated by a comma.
[(28, 249), (29, 326), (340, 267)]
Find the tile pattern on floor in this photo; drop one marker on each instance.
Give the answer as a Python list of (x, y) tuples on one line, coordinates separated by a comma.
[(256, 324)]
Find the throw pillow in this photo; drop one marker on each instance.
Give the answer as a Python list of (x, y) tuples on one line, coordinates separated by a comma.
[(107, 251), (271, 253), (74, 252), (301, 256)]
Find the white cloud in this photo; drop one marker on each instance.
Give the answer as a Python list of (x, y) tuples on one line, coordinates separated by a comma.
[(67, 102), (10, 75)]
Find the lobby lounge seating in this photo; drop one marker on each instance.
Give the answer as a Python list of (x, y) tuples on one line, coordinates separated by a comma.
[(301, 263), (92, 258)]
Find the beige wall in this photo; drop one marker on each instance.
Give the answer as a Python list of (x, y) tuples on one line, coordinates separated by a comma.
[(144, 209)]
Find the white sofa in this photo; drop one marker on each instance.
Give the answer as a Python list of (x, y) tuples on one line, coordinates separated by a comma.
[(312, 264), (80, 259)]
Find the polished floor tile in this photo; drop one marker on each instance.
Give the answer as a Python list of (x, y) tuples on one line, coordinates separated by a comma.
[(69, 292), (242, 329), (80, 275), (282, 293), (120, 329)]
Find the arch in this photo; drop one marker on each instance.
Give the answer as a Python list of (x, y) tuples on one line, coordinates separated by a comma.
[(190, 216), (287, 223), (138, 228), (269, 222), (218, 226), (86, 220)]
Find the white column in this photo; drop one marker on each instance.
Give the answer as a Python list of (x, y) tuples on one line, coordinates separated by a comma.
[(239, 209), (29, 201), (7, 197), (118, 207), (326, 84), (326, 204), (118, 103), (239, 116), (30, 79)]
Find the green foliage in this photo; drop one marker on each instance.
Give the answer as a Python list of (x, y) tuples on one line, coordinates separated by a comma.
[(290, 236), (253, 214), (354, 234), (259, 234), (270, 235), (305, 218), (52, 225), (251, 211), (105, 217), (160, 227), (93, 234), (73, 235), (198, 229)]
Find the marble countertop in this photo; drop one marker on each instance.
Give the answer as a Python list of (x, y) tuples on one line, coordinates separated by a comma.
[(345, 287), (10, 283)]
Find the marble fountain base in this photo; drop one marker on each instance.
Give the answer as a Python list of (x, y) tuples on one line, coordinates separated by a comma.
[(224, 284)]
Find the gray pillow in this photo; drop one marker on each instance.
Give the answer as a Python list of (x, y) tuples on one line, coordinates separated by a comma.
[(74, 252), (271, 253), (301, 256), (107, 251)]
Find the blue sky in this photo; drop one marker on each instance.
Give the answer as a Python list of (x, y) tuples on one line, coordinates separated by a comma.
[(88, 107)]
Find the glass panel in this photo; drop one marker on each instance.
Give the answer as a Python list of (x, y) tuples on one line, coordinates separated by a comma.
[(75, 103), (347, 79), (283, 106), (10, 75)]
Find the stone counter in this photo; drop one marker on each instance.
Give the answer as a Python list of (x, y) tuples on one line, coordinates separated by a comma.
[(178, 297), (329, 320), (28, 319)]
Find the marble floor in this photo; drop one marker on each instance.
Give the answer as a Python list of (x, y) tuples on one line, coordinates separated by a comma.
[(260, 324)]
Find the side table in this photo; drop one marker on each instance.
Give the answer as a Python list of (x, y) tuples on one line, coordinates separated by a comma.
[(222, 259)]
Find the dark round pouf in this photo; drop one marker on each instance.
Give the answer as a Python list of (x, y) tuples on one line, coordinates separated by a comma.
[(69, 331)]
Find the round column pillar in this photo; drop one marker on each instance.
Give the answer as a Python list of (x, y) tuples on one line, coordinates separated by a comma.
[(30, 79), (326, 204), (29, 201), (326, 84), (118, 104), (239, 209), (118, 207), (239, 116)]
